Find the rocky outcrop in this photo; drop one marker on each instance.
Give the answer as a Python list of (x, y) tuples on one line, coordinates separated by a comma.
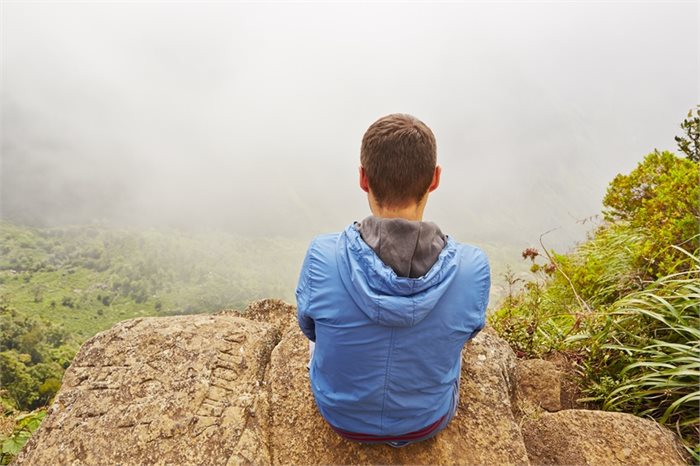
[(578, 436), (226, 389), (485, 430), (162, 390)]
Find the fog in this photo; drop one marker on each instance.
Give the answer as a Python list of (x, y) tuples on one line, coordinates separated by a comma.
[(248, 117)]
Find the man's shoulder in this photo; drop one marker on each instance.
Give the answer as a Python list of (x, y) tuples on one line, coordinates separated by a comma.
[(325, 240), (323, 245), (470, 252), (474, 266)]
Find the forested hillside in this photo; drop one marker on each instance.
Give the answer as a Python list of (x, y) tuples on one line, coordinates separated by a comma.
[(62, 273)]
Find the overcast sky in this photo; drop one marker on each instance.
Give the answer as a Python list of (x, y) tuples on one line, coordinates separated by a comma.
[(249, 116)]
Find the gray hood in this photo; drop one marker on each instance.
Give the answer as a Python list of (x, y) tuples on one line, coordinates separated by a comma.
[(409, 247)]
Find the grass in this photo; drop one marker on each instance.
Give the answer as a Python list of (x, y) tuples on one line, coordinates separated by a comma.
[(659, 329)]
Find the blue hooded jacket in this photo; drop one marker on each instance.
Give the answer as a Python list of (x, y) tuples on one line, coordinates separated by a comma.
[(388, 348)]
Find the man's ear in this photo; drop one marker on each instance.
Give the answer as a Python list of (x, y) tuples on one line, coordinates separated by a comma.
[(364, 183), (436, 179)]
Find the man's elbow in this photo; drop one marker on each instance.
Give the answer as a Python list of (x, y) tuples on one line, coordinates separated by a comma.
[(307, 327)]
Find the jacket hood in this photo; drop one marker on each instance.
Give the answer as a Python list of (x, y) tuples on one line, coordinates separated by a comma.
[(409, 247), (385, 297)]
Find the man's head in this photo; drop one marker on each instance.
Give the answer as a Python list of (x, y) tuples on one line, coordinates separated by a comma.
[(399, 162)]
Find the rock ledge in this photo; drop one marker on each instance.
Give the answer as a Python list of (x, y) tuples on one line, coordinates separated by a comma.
[(215, 389)]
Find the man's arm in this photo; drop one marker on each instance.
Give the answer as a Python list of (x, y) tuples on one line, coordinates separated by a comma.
[(303, 292), (484, 278)]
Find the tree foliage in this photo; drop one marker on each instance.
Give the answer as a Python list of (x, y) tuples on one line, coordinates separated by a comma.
[(660, 197), (33, 357), (689, 144)]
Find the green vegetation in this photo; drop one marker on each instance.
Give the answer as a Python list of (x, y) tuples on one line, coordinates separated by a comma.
[(660, 198), (689, 143), (60, 286), (654, 335), (33, 356), (88, 278), (625, 305), (25, 425)]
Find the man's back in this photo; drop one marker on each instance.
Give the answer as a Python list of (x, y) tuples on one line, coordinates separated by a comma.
[(388, 347), (390, 302)]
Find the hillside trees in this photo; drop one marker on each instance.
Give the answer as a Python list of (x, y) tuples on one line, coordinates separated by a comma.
[(660, 198), (33, 357), (689, 144)]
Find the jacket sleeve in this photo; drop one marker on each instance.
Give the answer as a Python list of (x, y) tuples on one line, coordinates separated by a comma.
[(483, 275), (303, 295)]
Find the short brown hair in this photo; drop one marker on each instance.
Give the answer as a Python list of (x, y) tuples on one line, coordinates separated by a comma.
[(399, 155)]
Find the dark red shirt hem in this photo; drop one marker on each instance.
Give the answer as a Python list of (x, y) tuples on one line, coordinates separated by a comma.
[(378, 438)]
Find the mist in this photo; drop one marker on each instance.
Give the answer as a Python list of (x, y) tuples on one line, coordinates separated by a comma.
[(248, 117)]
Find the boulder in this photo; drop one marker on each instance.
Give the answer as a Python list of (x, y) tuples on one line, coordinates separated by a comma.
[(578, 436), (538, 385), (275, 312), (162, 390), (483, 432)]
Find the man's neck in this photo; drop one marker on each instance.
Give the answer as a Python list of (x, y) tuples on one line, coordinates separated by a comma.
[(412, 212)]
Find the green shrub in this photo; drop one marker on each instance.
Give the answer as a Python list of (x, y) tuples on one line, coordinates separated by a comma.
[(68, 301), (625, 305), (661, 198), (553, 306), (689, 143), (604, 268), (25, 425)]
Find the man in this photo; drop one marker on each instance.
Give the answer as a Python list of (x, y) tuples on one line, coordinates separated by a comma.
[(391, 300)]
